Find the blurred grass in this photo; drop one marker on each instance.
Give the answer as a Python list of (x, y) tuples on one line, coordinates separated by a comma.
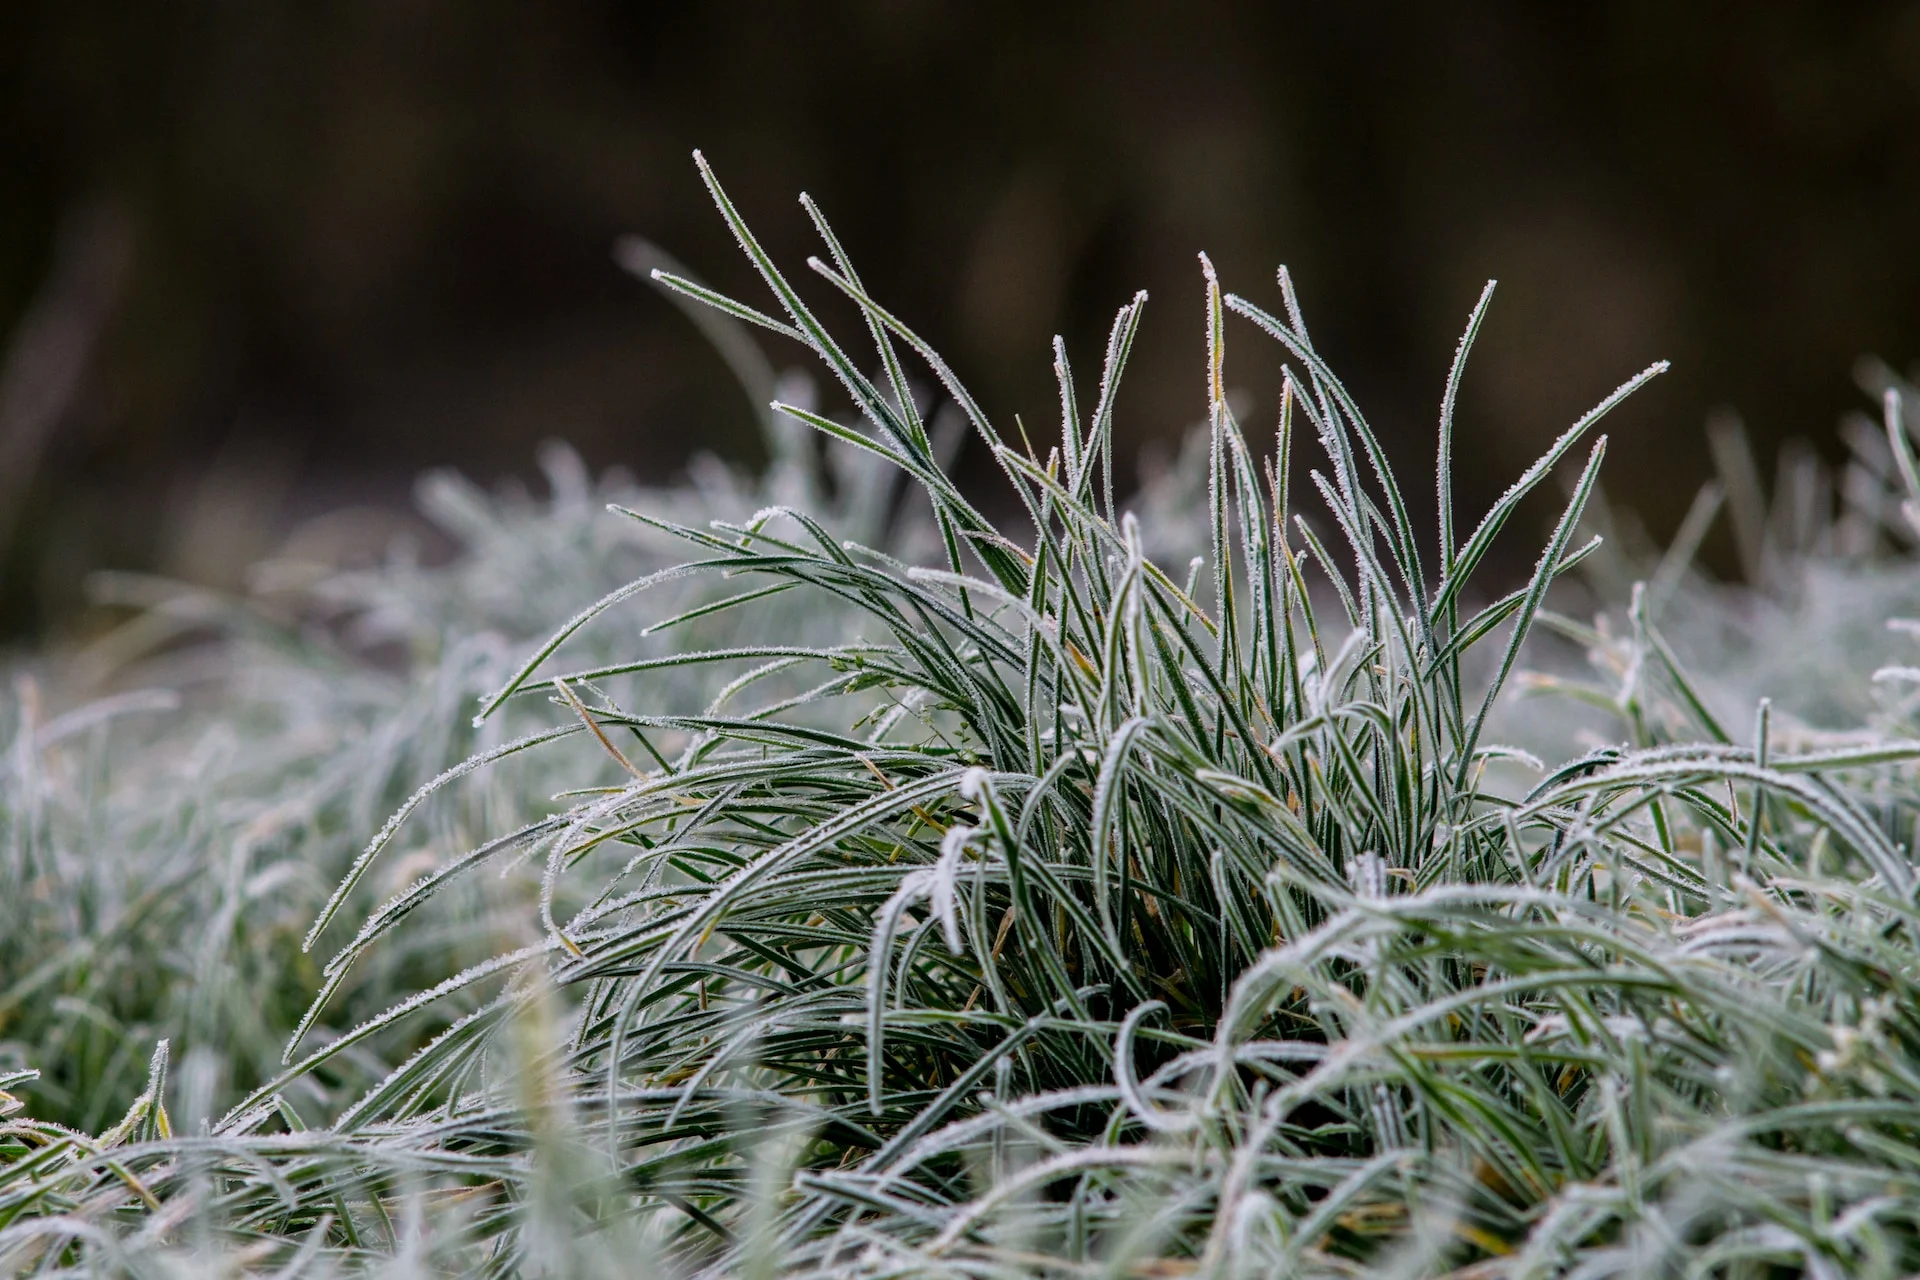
[(365, 241)]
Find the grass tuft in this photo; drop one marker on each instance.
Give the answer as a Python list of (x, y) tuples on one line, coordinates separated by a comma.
[(939, 897)]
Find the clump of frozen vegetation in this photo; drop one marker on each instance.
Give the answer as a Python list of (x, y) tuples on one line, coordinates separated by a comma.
[(864, 887)]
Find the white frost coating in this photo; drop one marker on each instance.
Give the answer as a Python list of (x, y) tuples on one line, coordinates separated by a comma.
[(419, 1000), (1444, 467), (942, 891), (386, 834), (102, 710), (916, 886), (1106, 797), (572, 625), (1143, 1109), (1367, 873), (1100, 432), (1476, 544), (1069, 412)]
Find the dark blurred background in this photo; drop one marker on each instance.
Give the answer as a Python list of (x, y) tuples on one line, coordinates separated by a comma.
[(260, 260)]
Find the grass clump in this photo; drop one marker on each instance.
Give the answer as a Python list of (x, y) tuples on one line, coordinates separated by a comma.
[(1033, 908), (180, 798)]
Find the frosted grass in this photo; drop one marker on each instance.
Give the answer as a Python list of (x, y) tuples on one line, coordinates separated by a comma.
[(937, 898)]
